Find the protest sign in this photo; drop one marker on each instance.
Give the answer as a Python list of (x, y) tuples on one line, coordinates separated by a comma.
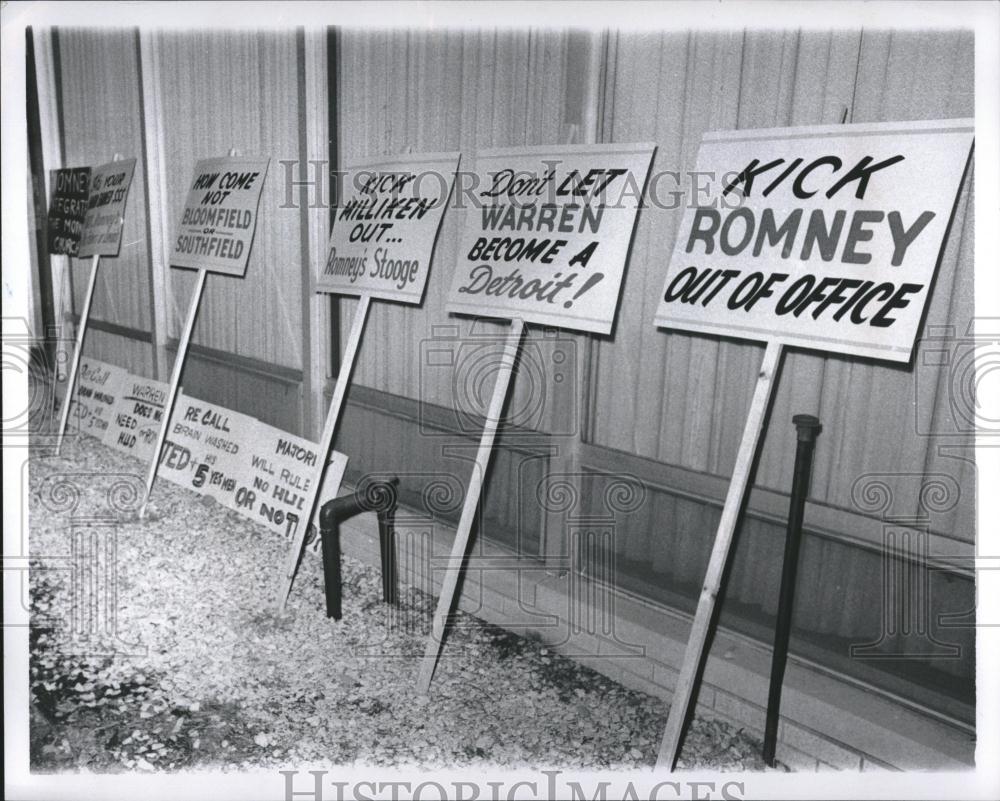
[(823, 237), (105, 217), (548, 235), (101, 236), (70, 188), (215, 235), (381, 247), (219, 218), (95, 397), (282, 470), (136, 417), (545, 242), (385, 227), (205, 448)]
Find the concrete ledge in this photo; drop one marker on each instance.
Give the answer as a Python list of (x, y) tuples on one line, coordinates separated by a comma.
[(827, 722)]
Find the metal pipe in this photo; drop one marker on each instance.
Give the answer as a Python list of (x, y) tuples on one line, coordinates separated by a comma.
[(807, 428), (379, 497)]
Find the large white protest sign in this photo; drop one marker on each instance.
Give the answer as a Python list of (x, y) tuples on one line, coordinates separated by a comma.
[(548, 235), (136, 416), (385, 227), (217, 225), (105, 217), (824, 237)]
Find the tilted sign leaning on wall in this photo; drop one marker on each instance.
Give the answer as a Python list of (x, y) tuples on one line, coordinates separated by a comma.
[(97, 394), (825, 237)]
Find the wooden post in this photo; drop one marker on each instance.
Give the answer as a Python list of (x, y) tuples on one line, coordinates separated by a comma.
[(326, 440), (81, 329), (767, 381), (175, 378), (457, 560)]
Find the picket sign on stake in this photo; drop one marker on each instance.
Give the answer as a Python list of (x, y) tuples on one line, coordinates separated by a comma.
[(457, 560), (326, 441), (203, 266), (81, 330), (411, 243), (941, 148), (767, 382), (586, 180)]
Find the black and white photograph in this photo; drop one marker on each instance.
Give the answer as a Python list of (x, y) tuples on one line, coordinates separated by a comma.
[(485, 401)]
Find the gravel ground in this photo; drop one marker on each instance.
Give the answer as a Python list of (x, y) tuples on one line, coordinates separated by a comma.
[(197, 671)]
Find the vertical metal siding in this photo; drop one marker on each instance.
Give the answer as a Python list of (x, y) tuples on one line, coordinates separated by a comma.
[(238, 89), (102, 115), (435, 91), (691, 393)]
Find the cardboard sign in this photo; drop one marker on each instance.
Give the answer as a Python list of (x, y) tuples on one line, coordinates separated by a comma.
[(822, 237), (385, 228), (105, 217), (205, 449), (281, 468), (135, 419), (547, 237), (98, 389), (67, 209), (220, 215)]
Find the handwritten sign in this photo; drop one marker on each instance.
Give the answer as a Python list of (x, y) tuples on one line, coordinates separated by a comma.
[(105, 217), (281, 469), (67, 209), (548, 235), (220, 215), (822, 237), (385, 228), (205, 449), (98, 388), (135, 419)]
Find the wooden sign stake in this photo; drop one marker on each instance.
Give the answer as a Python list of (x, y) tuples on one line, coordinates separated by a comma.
[(457, 560), (81, 329), (175, 378), (326, 440), (767, 382)]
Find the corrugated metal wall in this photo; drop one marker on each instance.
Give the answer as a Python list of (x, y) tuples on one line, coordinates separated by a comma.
[(95, 126), (443, 92), (237, 89)]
